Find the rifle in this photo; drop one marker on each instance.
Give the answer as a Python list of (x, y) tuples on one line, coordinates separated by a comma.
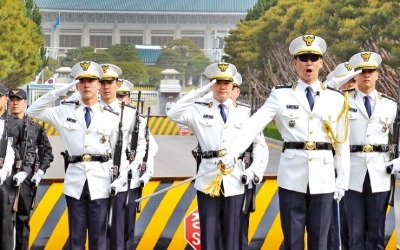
[(116, 164), (38, 159), (249, 193), (131, 153), (20, 160), (143, 166), (394, 151)]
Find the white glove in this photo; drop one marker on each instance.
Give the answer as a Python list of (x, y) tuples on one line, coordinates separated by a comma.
[(228, 160), (249, 176), (206, 88), (19, 178), (37, 177), (339, 193), (64, 90), (117, 185), (3, 175), (395, 163), (145, 178)]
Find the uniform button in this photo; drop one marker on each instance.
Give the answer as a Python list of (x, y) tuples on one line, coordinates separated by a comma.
[(311, 117), (87, 132), (309, 159), (86, 146), (311, 132)]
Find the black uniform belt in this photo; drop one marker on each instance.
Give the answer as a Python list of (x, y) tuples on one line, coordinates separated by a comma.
[(213, 154), (88, 158), (308, 145), (369, 148)]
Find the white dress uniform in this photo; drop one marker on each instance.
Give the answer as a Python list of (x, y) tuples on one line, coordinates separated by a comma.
[(290, 110), (99, 138), (122, 231), (128, 123), (370, 131), (213, 135), (366, 201), (220, 214), (260, 153)]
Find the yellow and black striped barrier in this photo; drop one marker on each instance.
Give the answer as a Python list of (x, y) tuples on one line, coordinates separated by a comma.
[(162, 224), (159, 125)]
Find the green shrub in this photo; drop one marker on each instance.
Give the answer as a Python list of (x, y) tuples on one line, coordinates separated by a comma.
[(271, 131)]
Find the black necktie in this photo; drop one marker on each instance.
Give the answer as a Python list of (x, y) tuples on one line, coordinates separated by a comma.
[(222, 111), (310, 97), (367, 104), (88, 118)]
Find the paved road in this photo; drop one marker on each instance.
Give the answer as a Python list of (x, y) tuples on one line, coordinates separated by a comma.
[(174, 159)]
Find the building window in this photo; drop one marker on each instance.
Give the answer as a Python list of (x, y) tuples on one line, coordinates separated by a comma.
[(100, 41), (70, 41), (47, 40), (199, 41), (132, 39), (161, 40)]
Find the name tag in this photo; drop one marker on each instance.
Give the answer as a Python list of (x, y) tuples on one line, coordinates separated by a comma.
[(292, 106), (71, 120), (352, 110)]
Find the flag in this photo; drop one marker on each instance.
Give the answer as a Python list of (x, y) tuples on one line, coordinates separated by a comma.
[(36, 78), (52, 79), (56, 23)]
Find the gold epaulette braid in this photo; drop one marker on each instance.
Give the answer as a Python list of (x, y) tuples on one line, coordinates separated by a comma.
[(345, 114)]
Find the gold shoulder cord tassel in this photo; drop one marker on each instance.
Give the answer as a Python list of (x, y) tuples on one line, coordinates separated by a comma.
[(328, 128), (214, 187)]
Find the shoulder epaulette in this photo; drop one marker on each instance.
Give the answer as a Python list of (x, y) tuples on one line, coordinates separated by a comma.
[(127, 105), (77, 103), (284, 86), (243, 104), (387, 97), (31, 120), (330, 88), (209, 104)]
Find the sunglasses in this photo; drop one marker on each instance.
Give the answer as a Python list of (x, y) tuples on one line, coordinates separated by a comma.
[(306, 57)]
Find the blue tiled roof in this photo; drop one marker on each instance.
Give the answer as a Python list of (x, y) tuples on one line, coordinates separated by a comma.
[(149, 54), (148, 5)]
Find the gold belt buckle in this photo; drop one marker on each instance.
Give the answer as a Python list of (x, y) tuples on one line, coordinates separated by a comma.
[(221, 153), (310, 145), (368, 148), (86, 157)]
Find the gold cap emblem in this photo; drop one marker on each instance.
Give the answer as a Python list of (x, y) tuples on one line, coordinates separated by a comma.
[(85, 65), (223, 66), (365, 56), (308, 40), (105, 67)]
